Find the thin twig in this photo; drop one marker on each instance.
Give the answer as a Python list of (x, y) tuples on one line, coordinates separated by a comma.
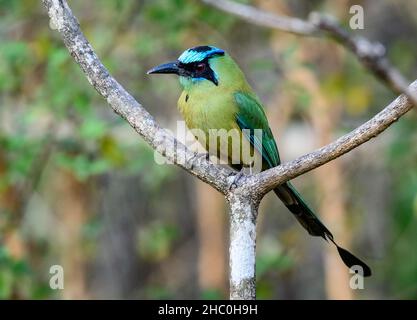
[(265, 19), (371, 55), (269, 179)]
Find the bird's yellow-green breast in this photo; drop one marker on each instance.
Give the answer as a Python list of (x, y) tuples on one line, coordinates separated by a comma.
[(206, 106)]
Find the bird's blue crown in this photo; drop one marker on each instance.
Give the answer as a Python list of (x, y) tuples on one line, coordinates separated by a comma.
[(198, 54)]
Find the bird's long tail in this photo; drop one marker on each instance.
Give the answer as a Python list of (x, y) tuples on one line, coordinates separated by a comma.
[(295, 203)]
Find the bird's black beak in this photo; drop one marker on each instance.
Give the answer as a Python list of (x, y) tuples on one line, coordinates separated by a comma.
[(170, 67)]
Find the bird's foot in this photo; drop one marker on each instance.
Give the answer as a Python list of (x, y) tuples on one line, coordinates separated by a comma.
[(198, 156), (204, 155), (236, 179)]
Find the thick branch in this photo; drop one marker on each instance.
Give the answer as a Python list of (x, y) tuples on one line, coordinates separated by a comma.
[(125, 105), (242, 250), (267, 180), (371, 55)]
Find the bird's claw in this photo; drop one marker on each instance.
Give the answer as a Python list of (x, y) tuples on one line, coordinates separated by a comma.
[(236, 179), (204, 155), (197, 156)]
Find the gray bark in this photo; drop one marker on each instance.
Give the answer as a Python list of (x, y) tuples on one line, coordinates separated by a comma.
[(242, 249)]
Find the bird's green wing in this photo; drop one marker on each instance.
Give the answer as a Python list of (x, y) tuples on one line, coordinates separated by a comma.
[(251, 116)]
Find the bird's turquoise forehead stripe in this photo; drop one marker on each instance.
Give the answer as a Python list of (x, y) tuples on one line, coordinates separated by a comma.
[(199, 54)]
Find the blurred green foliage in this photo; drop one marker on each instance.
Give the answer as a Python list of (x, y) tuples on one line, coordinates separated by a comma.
[(155, 241)]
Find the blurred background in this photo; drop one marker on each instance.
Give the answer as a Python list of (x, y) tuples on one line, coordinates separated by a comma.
[(79, 188)]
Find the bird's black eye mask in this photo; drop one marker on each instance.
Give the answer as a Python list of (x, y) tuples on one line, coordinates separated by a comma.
[(193, 63), (198, 70)]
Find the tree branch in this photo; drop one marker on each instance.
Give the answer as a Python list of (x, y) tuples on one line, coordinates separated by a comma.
[(269, 179), (371, 55), (125, 105)]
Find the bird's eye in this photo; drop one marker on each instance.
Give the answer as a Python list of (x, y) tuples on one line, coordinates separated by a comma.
[(200, 67)]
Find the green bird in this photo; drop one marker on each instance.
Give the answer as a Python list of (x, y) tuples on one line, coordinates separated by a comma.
[(217, 96)]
